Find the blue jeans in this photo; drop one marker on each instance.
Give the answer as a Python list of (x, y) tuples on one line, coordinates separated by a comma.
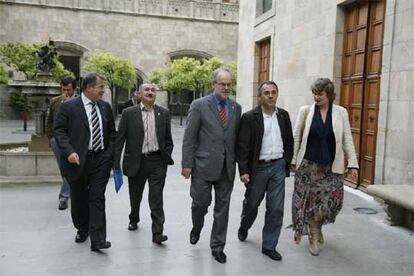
[(269, 179)]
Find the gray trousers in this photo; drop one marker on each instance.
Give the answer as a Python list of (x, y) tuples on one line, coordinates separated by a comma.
[(200, 192), (65, 188), (270, 180)]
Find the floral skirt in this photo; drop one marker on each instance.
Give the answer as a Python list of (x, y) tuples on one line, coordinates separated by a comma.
[(318, 195)]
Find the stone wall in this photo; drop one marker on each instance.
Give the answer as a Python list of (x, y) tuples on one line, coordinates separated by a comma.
[(395, 143)]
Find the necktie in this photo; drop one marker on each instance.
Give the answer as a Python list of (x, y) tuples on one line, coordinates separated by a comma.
[(96, 129), (223, 116)]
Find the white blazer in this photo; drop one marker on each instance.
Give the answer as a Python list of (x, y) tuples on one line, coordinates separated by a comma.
[(343, 137)]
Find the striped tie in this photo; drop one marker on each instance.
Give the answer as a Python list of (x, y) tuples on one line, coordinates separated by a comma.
[(96, 129), (223, 116)]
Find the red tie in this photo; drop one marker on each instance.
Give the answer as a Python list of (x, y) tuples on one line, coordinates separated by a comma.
[(223, 117)]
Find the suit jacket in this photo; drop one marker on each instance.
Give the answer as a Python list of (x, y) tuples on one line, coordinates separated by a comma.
[(250, 137), (130, 103), (72, 134), (206, 144), (131, 133), (343, 137), (51, 114)]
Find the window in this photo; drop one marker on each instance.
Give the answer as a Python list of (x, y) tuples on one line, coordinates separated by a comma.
[(263, 6), (264, 60)]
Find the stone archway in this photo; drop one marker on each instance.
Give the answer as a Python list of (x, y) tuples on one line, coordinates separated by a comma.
[(70, 54), (190, 54)]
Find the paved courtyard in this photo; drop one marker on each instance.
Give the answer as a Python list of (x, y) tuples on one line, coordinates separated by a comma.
[(37, 239)]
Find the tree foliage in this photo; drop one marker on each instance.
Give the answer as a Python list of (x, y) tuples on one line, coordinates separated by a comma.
[(117, 71), (23, 58), (189, 74), (4, 76)]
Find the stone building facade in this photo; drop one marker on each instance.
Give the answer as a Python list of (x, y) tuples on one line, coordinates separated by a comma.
[(148, 33), (364, 46)]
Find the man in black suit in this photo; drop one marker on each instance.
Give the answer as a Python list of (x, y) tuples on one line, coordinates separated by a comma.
[(84, 130), (135, 99), (145, 129), (264, 150)]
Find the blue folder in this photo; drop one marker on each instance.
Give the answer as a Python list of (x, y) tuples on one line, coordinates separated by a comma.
[(118, 179)]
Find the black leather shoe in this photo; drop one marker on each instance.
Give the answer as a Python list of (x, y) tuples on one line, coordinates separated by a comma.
[(194, 236), (81, 237), (132, 226), (242, 234), (219, 256), (63, 205), (96, 246), (159, 238), (272, 254)]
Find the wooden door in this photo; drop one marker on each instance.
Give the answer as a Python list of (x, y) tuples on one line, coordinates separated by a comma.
[(360, 86), (264, 60)]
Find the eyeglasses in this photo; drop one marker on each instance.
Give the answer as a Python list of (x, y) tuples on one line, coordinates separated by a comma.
[(222, 84)]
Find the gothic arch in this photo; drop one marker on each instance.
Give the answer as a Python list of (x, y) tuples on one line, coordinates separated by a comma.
[(70, 48), (189, 53)]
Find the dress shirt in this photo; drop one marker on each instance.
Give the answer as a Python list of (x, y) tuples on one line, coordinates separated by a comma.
[(217, 100), (272, 143), (88, 108), (150, 143)]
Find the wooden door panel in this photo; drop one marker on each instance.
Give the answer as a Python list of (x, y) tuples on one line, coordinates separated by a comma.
[(361, 69)]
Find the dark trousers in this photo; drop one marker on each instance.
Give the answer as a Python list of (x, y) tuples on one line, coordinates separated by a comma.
[(200, 192), (154, 169), (270, 180), (65, 188), (88, 197)]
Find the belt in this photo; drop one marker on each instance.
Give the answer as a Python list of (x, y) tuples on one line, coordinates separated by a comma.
[(92, 152), (151, 153), (269, 160)]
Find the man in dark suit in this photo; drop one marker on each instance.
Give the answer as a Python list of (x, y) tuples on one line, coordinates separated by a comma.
[(84, 130), (264, 151), (135, 99), (208, 157), (145, 129), (68, 87)]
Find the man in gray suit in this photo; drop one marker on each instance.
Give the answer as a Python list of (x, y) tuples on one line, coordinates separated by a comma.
[(209, 158), (145, 130)]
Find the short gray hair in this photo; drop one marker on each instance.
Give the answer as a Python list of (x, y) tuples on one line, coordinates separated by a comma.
[(147, 83), (324, 85), (217, 72)]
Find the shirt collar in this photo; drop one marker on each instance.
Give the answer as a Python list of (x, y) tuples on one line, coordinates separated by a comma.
[(217, 99), (85, 99), (273, 114), (142, 107)]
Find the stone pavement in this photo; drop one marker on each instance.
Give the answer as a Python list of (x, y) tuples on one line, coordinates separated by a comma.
[(37, 239), (11, 131)]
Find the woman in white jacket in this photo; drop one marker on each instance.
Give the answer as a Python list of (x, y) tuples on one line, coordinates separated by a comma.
[(322, 143)]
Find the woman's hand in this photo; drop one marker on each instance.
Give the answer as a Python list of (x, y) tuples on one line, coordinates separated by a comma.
[(353, 172)]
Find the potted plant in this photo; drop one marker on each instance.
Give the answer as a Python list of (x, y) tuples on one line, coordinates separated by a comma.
[(20, 103)]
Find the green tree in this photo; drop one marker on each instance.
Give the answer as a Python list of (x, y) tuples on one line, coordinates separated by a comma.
[(118, 72), (4, 76), (20, 56), (23, 58)]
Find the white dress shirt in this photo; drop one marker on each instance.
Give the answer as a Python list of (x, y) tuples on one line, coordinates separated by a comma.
[(88, 109), (150, 143), (272, 143)]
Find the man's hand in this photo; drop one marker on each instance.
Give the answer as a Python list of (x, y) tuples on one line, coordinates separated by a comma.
[(292, 168), (186, 172), (74, 158), (245, 178)]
